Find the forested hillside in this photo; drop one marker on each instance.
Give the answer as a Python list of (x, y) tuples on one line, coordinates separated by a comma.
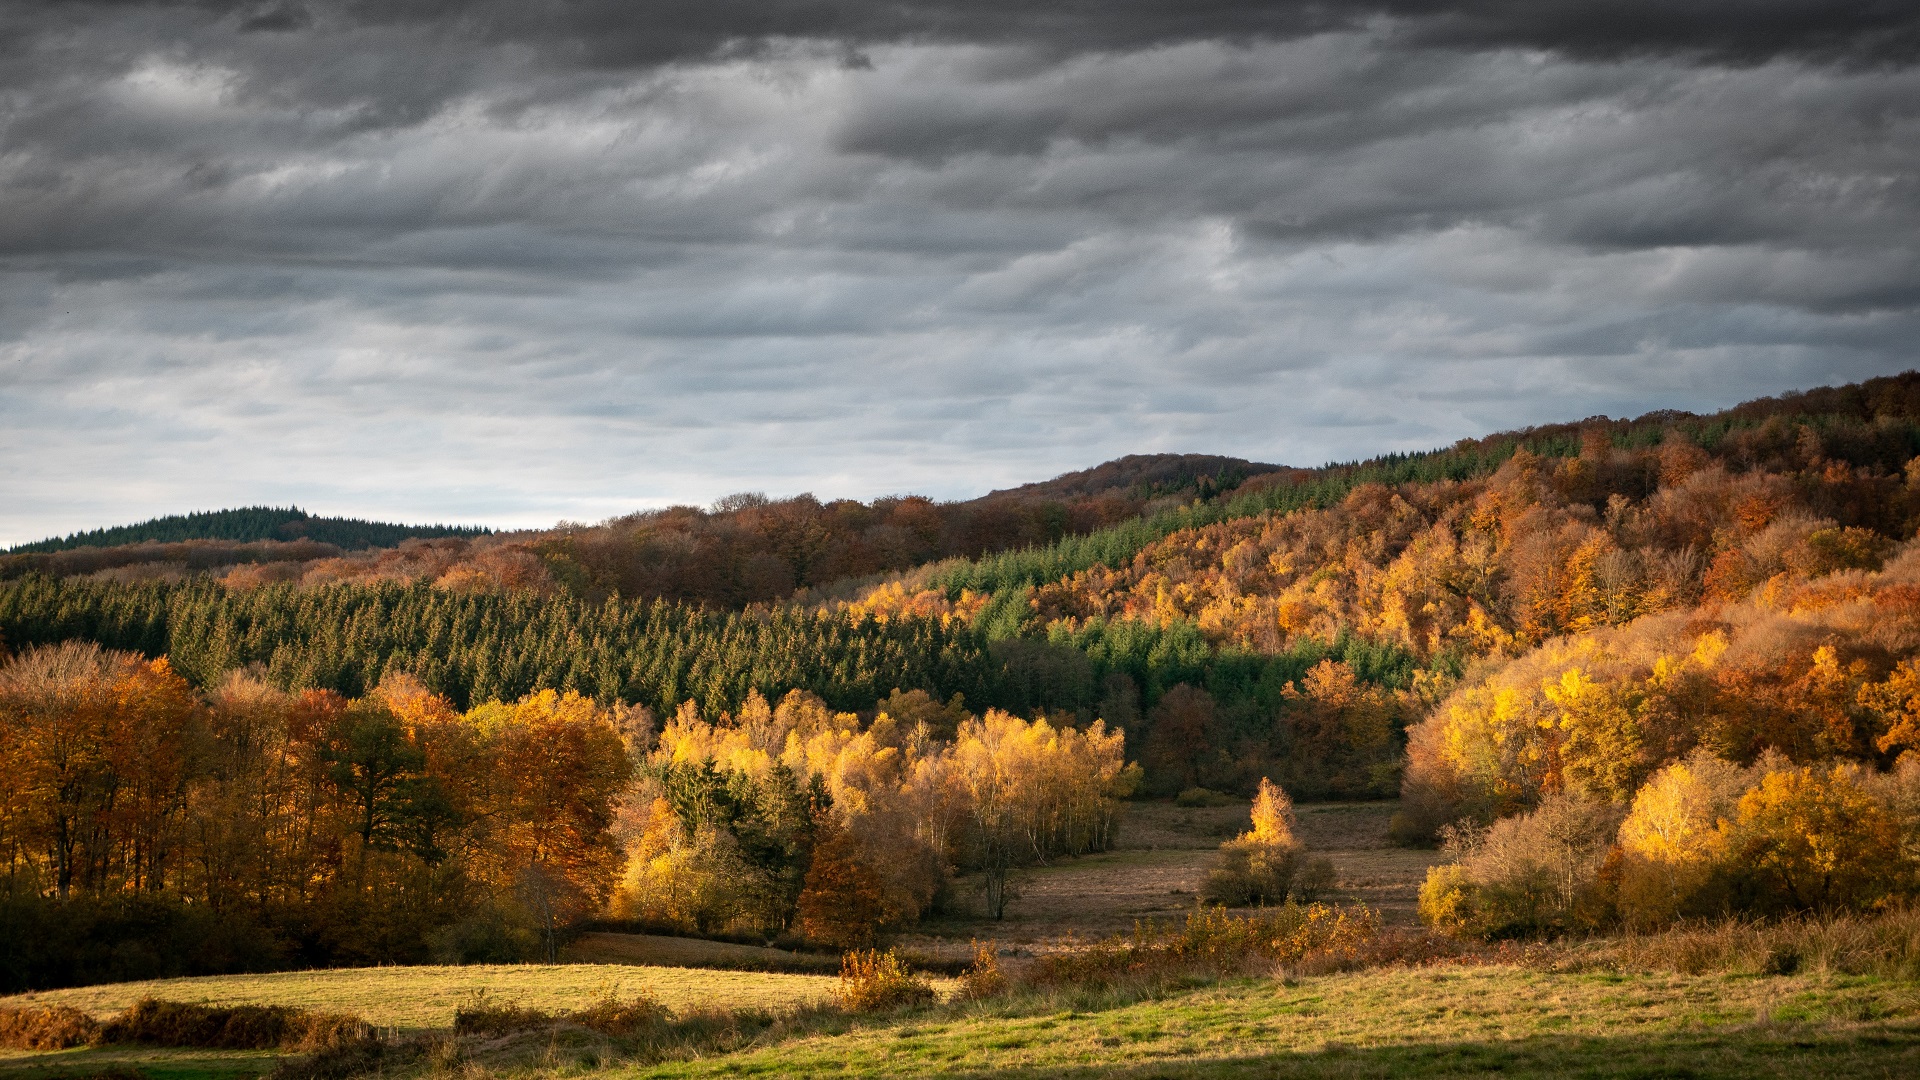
[(744, 549), (1627, 671), (252, 523), (1403, 573)]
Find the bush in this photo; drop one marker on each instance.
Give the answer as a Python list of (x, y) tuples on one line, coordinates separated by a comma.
[(873, 981), (47, 1027), (1314, 880), (1673, 848), (1248, 872), (483, 1016), (1536, 873), (1214, 942), (494, 933), (354, 1058), (1195, 797), (984, 979), (611, 1015), (622, 1018), (230, 1027), (1259, 866)]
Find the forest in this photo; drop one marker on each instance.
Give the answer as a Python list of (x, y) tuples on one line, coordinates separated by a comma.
[(251, 524), (1624, 673)]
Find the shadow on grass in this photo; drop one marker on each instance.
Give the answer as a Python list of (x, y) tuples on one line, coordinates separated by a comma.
[(1880, 1050), (153, 1063)]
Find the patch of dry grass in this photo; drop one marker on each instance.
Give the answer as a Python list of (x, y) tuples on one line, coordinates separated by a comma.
[(426, 997), (659, 950)]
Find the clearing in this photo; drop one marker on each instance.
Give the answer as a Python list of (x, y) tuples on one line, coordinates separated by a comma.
[(1161, 863)]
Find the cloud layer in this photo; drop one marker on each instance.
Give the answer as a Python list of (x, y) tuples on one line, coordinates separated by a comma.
[(522, 261)]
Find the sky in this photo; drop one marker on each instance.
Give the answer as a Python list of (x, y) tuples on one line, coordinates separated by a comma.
[(519, 261)]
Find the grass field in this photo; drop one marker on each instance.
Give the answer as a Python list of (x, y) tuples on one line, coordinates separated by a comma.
[(425, 997), (1471, 1021), (1396, 1023)]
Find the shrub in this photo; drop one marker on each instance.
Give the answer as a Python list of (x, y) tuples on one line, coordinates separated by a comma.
[(1194, 797), (1214, 942), (47, 1027), (493, 933), (873, 981), (488, 1017), (984, 979), (46, 943), (229, 1027), (622, 1018), (1248, 872), (354, 1058), (1315, 880), (1886, 945), (1447, 899), (314, 1031), (1259, 866), (1536, 873)]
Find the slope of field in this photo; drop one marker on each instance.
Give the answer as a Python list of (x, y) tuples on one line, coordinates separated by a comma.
[(425, 997), (1432, 1022)]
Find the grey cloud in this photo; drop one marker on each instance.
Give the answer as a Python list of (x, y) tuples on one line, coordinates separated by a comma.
[(530, 261)]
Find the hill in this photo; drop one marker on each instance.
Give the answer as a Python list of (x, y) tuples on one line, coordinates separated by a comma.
[(1146, 476), (253, 523)]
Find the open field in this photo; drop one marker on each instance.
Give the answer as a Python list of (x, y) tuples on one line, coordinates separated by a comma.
[(1473, 1021), (1161, 863), (425, 997), (1444, 1021)]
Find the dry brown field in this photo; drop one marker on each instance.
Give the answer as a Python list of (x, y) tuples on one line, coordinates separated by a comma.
[(1158, 868)]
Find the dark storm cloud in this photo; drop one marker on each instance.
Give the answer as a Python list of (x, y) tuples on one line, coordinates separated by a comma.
[(526, 260)]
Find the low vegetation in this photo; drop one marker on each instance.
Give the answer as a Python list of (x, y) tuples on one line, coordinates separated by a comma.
[(154, 1022), (424, 998)]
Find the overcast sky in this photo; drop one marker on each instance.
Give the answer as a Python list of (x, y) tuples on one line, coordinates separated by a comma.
[(528, 260)]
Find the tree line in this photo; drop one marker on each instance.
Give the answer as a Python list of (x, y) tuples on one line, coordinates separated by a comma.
[(474, 647), (148, 828), (251, 524)]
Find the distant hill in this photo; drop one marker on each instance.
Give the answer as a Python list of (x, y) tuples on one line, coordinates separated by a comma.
[(1146, 476), (250, 524)]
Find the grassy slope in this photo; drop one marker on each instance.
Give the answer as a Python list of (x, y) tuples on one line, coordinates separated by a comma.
[(1429, 1022), (425, 997)]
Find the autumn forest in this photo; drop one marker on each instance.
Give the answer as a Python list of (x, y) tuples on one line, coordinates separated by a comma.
[(1618, 674)]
